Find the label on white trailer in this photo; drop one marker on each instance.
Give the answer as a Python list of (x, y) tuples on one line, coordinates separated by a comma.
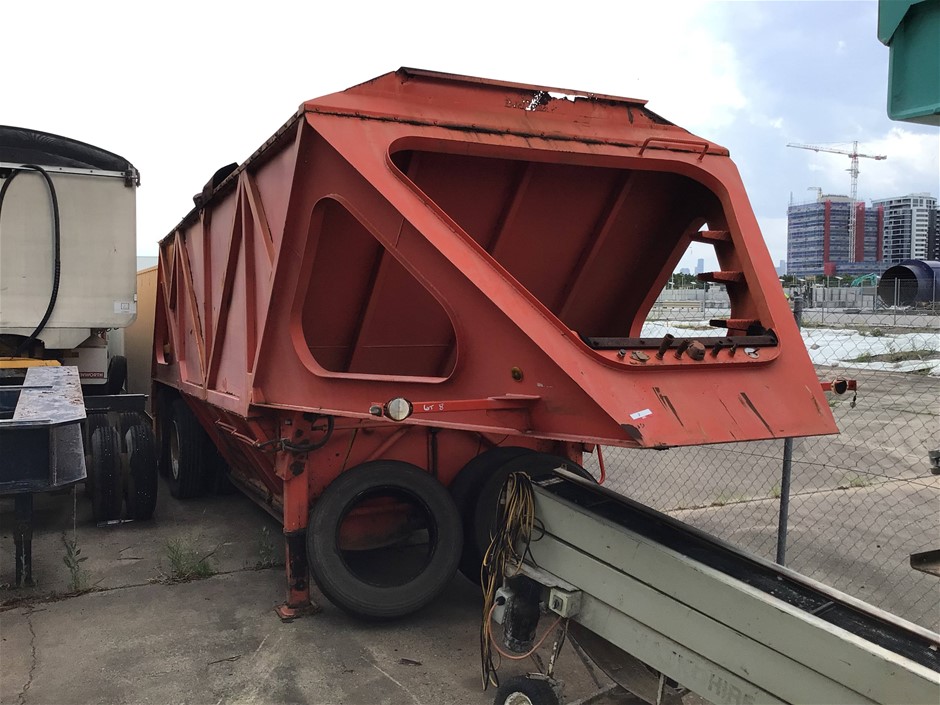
[(128, 307)]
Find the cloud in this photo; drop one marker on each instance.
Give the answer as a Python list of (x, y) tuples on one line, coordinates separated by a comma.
[(699, 86), (774, 230)]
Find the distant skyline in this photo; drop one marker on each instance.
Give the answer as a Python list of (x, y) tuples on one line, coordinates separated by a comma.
[(180, 89)]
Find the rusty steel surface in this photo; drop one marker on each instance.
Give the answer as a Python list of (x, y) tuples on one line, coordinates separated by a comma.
[(488, 251)]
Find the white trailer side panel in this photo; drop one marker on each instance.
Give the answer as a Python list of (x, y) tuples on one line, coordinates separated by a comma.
[(97, 286)]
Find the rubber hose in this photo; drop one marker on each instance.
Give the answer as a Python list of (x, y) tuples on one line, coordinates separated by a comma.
[(57, 238)]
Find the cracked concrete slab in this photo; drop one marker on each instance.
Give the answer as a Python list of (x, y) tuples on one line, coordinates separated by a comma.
[(136, 638), (17, 657), (219, 641)]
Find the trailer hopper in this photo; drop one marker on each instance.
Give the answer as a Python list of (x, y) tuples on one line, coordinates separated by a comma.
[(431, 277)]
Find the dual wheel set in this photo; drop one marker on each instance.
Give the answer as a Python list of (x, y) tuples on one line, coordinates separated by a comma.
[(121, 465), (188, 459), (444, 530), (385, 537)]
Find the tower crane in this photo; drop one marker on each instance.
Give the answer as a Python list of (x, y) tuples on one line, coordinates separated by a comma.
[(854, 155)]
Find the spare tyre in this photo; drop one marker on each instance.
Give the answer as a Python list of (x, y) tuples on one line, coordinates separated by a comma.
[(384, 540), (117, 375)]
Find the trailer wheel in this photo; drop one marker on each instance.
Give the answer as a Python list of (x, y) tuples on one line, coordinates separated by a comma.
[(523, 690), (186, 447), (536, 465), (92, 422), (125, 420), (465, 490), (106, 497), (215, 476), (117, 375), (141, 488), (401, 576)]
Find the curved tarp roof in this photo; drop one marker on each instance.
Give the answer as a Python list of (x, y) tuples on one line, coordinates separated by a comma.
[(23, 146)]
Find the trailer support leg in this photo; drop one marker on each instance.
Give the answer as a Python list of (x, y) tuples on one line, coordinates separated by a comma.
[(296, 516), (23, 539)]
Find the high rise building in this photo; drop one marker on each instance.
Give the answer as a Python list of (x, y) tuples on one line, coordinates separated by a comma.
[(933, 235), (907, 226), (819, 242), (700, 266)]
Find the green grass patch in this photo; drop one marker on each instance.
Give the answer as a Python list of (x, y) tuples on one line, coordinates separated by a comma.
[(897, 356), (723, 499), (854, 482), (187, 562)]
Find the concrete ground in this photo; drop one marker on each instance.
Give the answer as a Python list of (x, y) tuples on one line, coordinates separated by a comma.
[(139, 637)]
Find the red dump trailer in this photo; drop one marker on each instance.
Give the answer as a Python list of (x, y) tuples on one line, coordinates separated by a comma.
[(427, 281)]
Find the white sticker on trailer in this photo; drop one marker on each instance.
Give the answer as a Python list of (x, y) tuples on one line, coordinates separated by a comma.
[(641, 414), (128, 307)]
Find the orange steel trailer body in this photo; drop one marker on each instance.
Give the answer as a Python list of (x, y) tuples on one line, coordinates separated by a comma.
[(487, 252)]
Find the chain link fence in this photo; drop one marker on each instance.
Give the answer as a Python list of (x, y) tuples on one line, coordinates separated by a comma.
[(859, 503)]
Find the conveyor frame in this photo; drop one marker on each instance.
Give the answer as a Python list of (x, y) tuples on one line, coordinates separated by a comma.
[(725, 624)]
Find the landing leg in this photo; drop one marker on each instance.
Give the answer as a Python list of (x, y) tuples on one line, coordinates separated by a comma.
[(296, 515)]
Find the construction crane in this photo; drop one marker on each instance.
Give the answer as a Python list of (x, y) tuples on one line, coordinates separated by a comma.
[(854, 155)]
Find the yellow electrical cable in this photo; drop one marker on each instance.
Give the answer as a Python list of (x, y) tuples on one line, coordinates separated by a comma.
[(515, 520)]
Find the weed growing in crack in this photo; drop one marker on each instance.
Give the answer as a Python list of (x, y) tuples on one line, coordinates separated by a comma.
[(79, 576), (723, 499), (186, 562), (854, 482), (267, 554)]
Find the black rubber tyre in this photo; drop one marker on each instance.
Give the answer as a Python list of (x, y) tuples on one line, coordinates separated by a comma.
[(465, 491), (536, 465), (186, 451), (163, 413), (215, 477), (126, 419), (141, 488), (106, 496), (93, 421), (329, 567), (117, 375), (523, 690)]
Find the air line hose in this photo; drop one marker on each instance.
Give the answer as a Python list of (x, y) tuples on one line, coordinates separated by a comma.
[(57, 265)]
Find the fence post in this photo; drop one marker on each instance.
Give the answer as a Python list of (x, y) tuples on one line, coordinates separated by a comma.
[(787, 465), (897, 285)]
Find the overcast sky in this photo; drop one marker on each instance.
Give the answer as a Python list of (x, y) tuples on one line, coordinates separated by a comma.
[(180, 89)]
